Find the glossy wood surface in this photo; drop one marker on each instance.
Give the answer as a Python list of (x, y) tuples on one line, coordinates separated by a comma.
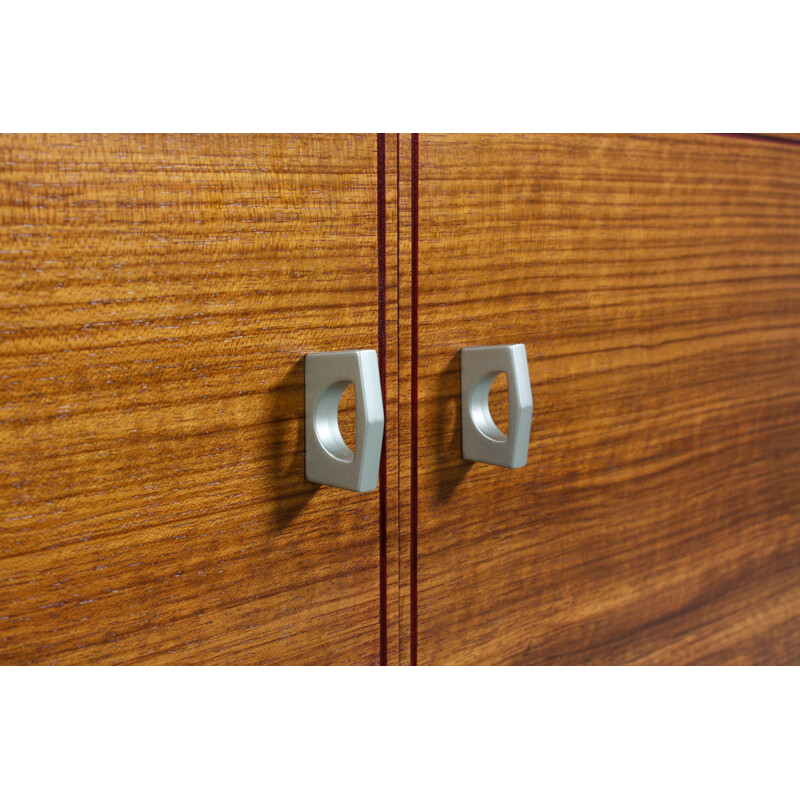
[(158, 294), (655, 281), (406, 413)]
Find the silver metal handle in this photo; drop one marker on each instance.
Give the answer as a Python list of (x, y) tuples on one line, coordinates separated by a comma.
[(328, 459), (481, 439)]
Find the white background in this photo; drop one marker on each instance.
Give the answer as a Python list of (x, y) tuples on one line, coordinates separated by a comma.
[(407, 733), (360, 732), (686, 65)]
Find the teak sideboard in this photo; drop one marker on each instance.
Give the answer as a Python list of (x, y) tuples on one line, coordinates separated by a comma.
[(158, 296)]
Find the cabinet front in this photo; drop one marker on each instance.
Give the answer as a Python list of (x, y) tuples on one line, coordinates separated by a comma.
[(159, 294), (655, 284)]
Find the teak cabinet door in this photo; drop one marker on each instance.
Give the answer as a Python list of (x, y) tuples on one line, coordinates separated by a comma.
[(159, 294), (655, 281)]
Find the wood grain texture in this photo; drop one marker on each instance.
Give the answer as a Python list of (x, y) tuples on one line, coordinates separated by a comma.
[(655, 281), (394, 568), (405, 412), (158, 296)]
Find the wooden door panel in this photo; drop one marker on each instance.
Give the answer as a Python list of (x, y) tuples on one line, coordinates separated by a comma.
[(158, 296), (655, 281)]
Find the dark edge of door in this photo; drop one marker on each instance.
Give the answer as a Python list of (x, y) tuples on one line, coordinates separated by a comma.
[(761, 137), (414, 391), (382, 592)]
